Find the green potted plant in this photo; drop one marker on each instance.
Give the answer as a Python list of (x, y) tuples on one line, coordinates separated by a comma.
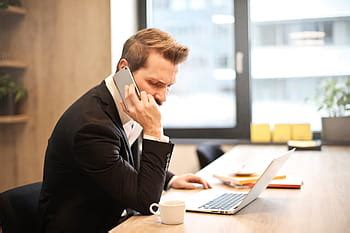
[(10, 94), (335, 101), (4, 4)]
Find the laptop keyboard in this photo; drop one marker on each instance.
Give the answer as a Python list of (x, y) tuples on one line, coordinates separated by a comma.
[(224, 202)]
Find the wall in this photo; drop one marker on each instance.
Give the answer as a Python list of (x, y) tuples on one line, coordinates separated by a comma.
[(67, 47)]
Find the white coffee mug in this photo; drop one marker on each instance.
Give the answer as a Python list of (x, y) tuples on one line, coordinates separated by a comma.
[(171, 212)]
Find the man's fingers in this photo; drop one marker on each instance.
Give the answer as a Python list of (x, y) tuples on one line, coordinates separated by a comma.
[(144, 98), (121, 104), (199, 180), (126, 98), (187, 185), (130, 94), (190, 181), (209, 186), (151, 99), (204, 183)]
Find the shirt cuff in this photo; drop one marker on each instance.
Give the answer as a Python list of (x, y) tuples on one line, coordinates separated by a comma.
[(162, 138), (170, 182)]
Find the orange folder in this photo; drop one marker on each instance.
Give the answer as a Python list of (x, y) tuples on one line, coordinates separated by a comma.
[(279, 181)]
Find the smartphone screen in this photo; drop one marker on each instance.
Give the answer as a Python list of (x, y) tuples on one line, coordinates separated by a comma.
[(122, 78)]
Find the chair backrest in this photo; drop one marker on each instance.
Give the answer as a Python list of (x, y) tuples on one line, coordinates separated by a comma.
[(207, 153), (19, 209)]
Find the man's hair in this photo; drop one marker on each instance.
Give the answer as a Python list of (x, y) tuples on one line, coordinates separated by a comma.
[(138, 47)]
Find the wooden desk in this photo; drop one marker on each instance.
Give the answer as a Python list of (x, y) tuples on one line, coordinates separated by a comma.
[(321, 205)]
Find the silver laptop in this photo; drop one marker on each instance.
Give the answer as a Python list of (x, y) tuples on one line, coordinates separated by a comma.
[(226, 202)]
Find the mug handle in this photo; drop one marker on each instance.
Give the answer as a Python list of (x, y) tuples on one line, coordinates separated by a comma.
[(157, 212)]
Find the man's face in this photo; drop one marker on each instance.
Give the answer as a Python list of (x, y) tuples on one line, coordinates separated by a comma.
[(156, 77)]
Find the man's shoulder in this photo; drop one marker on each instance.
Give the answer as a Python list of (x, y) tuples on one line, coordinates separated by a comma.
[(90, 112)]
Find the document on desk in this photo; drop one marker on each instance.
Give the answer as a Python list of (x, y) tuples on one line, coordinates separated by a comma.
[(248, 174), (248, 181)]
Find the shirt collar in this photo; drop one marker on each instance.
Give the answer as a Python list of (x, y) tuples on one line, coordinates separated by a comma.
[(116, 97)]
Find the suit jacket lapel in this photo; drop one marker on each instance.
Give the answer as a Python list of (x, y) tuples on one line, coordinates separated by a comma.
[(110, 108)]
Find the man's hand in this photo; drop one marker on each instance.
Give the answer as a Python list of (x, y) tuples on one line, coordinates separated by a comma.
[(188, 181), (144, 111)]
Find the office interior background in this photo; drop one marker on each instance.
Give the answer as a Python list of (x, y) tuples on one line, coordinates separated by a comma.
[(282, 55)]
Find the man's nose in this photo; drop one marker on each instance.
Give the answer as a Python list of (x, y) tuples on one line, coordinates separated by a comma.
[(161, 97)]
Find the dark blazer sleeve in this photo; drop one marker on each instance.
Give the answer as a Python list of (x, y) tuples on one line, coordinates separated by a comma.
[(97, 150), (168, 177), (135, 149)]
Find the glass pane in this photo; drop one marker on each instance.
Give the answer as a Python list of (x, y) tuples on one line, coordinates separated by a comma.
[(204, 95), (296, 46)]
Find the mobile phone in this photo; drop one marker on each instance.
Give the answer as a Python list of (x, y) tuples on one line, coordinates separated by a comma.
[(122, 78)]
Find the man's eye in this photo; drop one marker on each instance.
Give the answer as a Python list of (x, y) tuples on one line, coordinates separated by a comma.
[(159, 85)]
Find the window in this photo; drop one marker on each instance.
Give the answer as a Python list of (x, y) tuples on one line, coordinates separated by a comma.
[(291, 47), (296, 45), (205, 92)]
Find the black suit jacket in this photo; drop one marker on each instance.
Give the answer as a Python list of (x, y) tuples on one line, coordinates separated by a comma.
[(89, 174)]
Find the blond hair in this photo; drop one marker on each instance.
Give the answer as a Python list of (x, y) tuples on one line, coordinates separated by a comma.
[(137, 48)]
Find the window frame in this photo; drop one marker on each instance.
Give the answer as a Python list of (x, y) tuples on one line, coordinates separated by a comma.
[(242, 82)]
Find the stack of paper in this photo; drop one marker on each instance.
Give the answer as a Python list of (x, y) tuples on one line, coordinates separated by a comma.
[(248, 180)]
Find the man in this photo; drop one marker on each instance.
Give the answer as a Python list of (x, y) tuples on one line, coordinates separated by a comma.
[(90, 174)]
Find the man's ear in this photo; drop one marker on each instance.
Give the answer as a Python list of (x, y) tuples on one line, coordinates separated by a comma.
[(122, 63)]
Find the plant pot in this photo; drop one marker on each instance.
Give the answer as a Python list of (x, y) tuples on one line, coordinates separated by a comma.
[(336, 130), (7, 105)]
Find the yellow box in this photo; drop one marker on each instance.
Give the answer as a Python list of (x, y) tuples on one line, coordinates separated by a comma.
[(301, 132), (281, 133), (260, 133)]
